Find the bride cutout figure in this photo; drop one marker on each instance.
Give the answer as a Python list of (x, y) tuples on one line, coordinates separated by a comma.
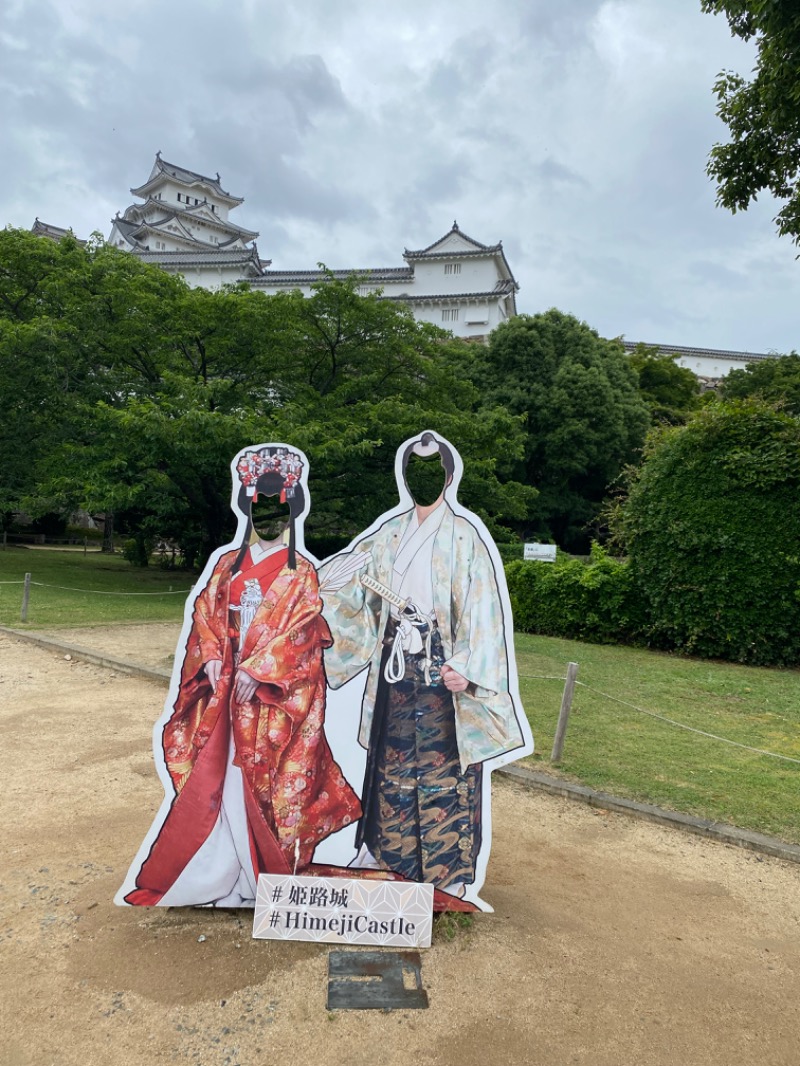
[(250, 783)]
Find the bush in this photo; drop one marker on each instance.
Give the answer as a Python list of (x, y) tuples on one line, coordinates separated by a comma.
[(595, 601), (712, 525), (138, 549), (84, 533), (510, 552)]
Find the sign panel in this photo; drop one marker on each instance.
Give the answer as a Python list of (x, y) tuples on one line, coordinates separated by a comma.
[(543, 553), (341, 910)]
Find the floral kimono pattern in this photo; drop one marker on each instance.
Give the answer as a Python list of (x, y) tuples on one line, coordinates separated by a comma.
[(294, 792)]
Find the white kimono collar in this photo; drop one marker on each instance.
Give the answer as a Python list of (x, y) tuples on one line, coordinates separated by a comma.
[(415, 536)]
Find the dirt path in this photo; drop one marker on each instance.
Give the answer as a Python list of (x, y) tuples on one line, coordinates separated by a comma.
[(152, 644), (614, 942)]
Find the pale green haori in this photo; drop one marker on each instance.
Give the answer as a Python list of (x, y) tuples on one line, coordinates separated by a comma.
[(469, 614)]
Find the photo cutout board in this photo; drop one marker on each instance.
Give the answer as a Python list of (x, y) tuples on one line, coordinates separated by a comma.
[(250, 784), (336, 719), (422, 672)]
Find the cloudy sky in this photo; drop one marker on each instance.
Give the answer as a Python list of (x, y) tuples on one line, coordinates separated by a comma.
[(575, 131)]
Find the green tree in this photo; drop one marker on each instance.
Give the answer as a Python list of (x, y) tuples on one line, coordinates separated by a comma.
[(671, 392), (139, 390), (776, 380), (584, 417), (712, 527), (762, 114)]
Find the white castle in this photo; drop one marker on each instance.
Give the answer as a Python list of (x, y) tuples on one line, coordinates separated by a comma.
[(184, 226)]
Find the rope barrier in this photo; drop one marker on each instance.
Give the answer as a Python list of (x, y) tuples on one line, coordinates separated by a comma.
[(689, 728), (12, 582), (99, 592), (544, 677)]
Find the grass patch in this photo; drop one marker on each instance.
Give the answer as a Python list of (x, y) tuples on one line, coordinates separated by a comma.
[(448, 925), (615, 749), (93, 573)]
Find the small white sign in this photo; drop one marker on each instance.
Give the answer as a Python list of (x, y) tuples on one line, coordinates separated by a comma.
[(343, 910), (544, 553)]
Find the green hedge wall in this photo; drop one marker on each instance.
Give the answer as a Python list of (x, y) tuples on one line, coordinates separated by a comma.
[(595, 601), (712, 526)]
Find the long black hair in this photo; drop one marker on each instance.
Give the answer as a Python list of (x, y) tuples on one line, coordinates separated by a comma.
[(271, 483)]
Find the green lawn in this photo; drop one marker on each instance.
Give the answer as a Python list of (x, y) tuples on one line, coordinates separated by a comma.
[(95, 573), (608, 746), (618, 750)]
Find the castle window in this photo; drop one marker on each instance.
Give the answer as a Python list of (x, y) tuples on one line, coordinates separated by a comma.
[(452, 268), (179, 197), (449, 314)]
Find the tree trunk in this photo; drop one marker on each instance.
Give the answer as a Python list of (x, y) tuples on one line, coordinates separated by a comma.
[(108, 533)]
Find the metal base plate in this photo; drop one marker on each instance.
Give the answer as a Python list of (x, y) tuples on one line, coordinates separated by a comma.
[(375, 980)]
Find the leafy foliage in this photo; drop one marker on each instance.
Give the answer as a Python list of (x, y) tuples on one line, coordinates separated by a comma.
[(763, 114), (671, 391), (775, 380), (124, 391), (712, 525), (584, 416), (595, 601)]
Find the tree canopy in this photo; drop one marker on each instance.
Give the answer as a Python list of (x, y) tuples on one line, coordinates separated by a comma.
[(584, 416), (762, 114), (712, 528), (776, 380), (121, 389), (671, 391)]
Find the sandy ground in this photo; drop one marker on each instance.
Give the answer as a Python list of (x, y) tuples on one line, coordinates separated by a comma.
[(151, 645), (614, 942)]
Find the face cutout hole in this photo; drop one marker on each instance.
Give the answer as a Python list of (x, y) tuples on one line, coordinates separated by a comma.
[(270, 516), (425, 478)]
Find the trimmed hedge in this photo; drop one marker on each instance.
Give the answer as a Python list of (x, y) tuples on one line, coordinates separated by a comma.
[(712, 526), (595, 601)]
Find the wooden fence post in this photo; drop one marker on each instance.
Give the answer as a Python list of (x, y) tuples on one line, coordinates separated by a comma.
[(563, 714), (26, 593)]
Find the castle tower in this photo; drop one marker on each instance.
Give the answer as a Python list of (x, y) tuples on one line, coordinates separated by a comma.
[(184, 226)]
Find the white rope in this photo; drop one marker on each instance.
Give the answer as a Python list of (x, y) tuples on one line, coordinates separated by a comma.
[(99, 592), (395, 668), (689, 728), (544, 677), (12, 582)]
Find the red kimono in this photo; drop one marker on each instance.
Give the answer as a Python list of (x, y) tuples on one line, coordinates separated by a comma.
[(293, 789)]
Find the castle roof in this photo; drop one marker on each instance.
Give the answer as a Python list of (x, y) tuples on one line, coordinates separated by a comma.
[(701, 353), (54, 233), (190, 178), (243, 257), (446, 248), (371, 275), (502, 288), (431, 249), (126, 228), (179, 214)]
